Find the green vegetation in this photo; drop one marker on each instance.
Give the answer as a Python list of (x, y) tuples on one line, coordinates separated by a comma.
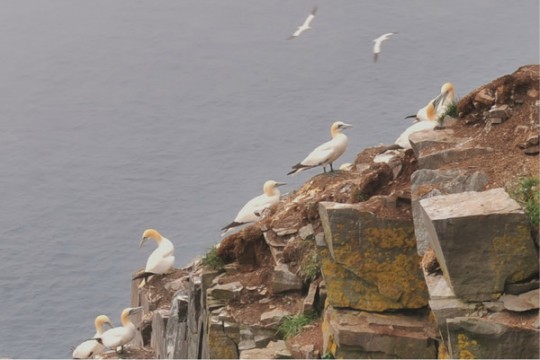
[(451, 110), (310, 267), (293, 324), (327, 355), (212, 260), (527, 193)]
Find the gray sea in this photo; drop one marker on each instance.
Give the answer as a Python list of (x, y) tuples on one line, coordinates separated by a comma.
[(117, 116)]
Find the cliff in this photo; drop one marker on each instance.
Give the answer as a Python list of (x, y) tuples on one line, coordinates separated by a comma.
[(421, 253)]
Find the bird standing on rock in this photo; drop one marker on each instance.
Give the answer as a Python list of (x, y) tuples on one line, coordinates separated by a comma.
[(252, 210), (161, 259), (326, 153), (120, 336), (92, 347)]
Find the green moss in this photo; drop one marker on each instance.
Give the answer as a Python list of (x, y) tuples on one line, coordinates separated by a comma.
[(527, 193), (212, 260)]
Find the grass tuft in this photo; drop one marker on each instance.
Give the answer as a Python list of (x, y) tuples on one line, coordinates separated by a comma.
[(310, 267), (451, 110), (293, 324), (212, 260), (527, 193)]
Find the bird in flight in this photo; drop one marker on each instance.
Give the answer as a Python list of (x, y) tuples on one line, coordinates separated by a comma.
[(305, 26), (377, 46)]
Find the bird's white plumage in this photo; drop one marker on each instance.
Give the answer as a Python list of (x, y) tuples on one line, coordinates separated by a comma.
[(162, 258), (251, 211), (440, 103), (120, 336), (403, 139), (328, 152), (306, 25), (92, 347), (377, 44)]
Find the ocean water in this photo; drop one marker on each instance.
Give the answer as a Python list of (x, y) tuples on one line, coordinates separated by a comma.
[(117, 116)]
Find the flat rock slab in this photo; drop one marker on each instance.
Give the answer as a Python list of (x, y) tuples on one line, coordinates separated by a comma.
[(370, 263), (436, 159), (274, 350), (359, 334), (482, 240), (426, 183), (523, 302), (478, 338), (428, 138), (284, 280)]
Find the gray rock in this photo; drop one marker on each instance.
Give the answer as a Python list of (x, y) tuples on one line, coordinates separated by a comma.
[(476, 338), (306, 232), (158, 340), (481, 240), (523, 302), (501, 112), (519, 288), (426, 183), (484, 97), (319, 240), (284, 280), (273, 317), (423, 140), (393, 158), (226, 292), (309, 304), (274, 350), (436, 159), (359, 334)]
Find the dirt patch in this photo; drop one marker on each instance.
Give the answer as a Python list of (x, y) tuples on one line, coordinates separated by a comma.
[(251, 315), (310, 335)]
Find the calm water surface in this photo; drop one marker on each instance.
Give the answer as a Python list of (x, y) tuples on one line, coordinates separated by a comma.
[(121, 115)]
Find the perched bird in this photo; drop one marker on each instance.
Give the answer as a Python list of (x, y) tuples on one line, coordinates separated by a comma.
[(439, 103), (377, 44), (120, 336), (305, 26), (254, 207), (429, 123), (161, 259), (89, 348), (326, 153)]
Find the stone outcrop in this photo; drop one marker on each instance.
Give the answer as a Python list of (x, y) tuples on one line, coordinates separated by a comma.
[(482, 242), (353, 334), (371, 261), (473, 295)]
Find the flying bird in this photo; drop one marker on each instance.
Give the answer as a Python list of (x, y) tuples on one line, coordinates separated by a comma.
[(251, 211), (161, 259), (120, 336), (439, 103), (92, 347), (305, 26), (377, 46), (326, 153)]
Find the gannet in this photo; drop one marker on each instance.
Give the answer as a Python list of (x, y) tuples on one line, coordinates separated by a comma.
[(120, 336), (440, 104), (161, 259), (254, 207), (326, 153), (430, 123), (377, 46), (94, 346), (305, 26)]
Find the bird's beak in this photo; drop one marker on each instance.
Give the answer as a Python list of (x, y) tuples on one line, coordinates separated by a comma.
[(109, 323), (410, 116), (347, 125), (439, 99), (135, 310), (142, 242), (280, 183)]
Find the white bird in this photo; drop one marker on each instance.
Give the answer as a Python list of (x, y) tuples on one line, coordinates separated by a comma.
[(403, 139), (161, 259), (439, 103), (305, 26), (254, 207), (377, 46), (120, 336), (92, 347), (326, 153)]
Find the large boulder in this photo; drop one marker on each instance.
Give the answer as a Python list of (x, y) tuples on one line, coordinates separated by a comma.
[(350, 334), (370, 262), (426, 183), (478, 338), (482, 241)]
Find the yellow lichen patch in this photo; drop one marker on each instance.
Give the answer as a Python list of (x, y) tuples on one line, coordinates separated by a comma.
[(466, 346), (389, 238)]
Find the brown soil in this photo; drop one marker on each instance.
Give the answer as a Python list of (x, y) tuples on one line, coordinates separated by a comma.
[(310, 335)]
